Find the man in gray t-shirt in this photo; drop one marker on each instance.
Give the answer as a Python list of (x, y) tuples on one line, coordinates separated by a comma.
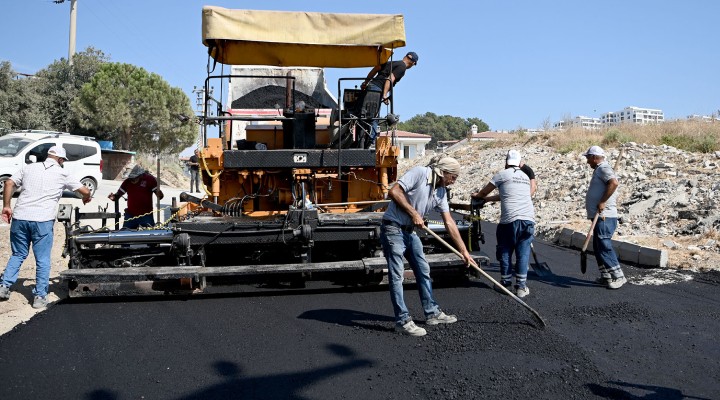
[(601, 199), (516, 229), (420, 190)]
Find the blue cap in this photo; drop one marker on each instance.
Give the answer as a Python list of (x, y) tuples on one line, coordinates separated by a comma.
[(413, 57)]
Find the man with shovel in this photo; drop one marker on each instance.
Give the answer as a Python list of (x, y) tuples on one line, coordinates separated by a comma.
[(600, 200), (417, 192), (516, 229)]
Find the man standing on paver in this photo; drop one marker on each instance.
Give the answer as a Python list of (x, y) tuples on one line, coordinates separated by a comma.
[(601, 199), (516, 229), (194, 163), (33, 218), (417, 192)]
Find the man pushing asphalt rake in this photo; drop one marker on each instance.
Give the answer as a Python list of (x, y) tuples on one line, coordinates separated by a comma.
[(537, 316)]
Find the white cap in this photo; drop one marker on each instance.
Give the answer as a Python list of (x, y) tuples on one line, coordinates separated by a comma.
[(58, 152), (594, 151), (513, 158)]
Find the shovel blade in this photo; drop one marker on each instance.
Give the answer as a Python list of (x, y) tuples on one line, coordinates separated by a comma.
[(542, 269), (583, 262)]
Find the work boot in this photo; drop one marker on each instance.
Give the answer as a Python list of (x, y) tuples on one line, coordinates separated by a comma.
[(616, 283), (411, 329), (441, 318), (4, 292), (40, 302), (522, 292)]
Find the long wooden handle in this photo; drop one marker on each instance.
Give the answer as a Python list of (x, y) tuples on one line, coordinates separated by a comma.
[(589, 234), (485, 274)]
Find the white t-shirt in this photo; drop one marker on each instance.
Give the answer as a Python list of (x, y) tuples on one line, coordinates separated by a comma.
[(515, 201), (601, 175), (42, 186)]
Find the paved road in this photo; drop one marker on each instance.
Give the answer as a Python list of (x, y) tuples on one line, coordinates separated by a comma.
[(325, 342)]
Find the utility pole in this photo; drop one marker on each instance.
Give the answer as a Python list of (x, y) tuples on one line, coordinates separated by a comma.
[(73, 30)]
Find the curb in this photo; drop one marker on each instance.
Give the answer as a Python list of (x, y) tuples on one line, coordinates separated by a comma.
[(626, 252)]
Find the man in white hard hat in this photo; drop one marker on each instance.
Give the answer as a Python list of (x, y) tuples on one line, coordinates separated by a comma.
[(601, 198), (33, 218), (516, 229)]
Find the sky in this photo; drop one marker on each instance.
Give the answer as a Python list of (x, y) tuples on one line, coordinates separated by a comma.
[(513, 64)]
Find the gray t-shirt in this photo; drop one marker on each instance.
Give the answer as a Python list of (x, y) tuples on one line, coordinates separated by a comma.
[(602, 174), (515, 201), (420, 196)]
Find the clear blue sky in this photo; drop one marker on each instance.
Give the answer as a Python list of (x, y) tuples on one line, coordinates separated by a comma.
[(511, 63)]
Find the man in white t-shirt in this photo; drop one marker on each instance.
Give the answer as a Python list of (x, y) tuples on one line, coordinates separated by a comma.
[(601, 198), (33, 218), (516, 229)]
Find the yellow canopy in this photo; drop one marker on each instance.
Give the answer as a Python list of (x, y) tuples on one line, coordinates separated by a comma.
[(300, 39)]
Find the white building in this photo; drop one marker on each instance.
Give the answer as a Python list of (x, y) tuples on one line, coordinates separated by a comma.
[(579, 122), (634, 115), (704, 118), (411, 144)]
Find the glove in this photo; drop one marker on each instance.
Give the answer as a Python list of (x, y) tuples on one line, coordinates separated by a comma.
[(478, 203)]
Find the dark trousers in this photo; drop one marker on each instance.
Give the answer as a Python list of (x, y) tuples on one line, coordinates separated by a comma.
[(195, 180)]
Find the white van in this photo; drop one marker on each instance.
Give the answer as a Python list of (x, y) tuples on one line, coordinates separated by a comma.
[(18, 148)]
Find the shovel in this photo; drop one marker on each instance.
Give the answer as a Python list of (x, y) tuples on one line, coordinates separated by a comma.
[(542, 269), (537, 316), (583, 253)]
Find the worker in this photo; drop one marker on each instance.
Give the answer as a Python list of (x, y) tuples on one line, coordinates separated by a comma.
[(139, 186), (417, 192), (194, 163), (516, 229), (381, 79), (33, 218), (601, 199)]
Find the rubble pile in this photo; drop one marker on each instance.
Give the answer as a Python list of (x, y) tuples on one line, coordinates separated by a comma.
[(667, 196)]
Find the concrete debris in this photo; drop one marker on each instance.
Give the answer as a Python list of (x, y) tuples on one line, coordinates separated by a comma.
[(661, 202)]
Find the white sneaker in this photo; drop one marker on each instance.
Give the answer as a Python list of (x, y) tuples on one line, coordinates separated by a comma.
[(40, 302), (411, 329), (4, 292), (441, 318), (616, 283), (522, 292)]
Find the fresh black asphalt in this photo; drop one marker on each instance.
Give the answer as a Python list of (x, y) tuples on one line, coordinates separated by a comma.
[(327, 342)]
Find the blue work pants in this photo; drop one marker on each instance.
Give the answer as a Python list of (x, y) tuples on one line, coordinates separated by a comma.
[(397, 243), (514, 237), (22, 235)]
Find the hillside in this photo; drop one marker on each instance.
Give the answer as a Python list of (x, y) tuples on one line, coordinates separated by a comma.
[(667, 196)]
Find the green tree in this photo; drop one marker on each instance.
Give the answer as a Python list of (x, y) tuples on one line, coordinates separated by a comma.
[(442, 127), (19, 102), (136, 109), (60, 83)]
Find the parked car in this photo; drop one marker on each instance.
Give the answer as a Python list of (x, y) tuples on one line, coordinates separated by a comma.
[(18, 148)]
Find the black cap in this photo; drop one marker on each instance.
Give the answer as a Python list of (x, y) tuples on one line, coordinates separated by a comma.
[(413, 57)]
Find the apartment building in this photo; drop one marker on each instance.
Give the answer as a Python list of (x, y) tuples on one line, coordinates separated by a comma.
[(634, 115), (579, 122)]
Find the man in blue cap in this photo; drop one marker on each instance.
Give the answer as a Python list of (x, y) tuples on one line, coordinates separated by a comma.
[(382, 78)]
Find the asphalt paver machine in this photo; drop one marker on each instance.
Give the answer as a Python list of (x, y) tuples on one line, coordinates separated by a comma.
[(292, 193)]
